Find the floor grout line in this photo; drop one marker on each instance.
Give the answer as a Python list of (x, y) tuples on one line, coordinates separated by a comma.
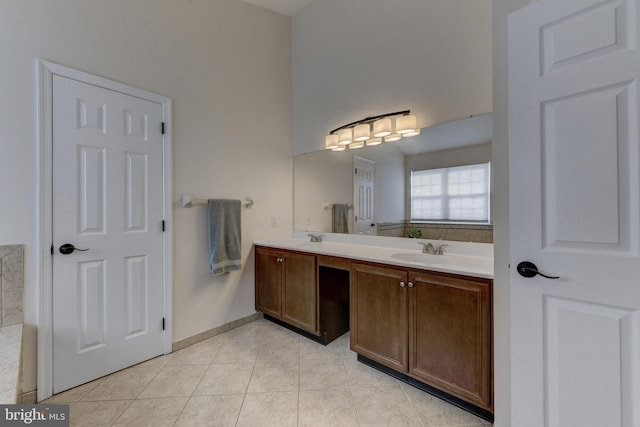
[(253, 368)]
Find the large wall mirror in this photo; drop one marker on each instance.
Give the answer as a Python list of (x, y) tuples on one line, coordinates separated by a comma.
[(325, 179)]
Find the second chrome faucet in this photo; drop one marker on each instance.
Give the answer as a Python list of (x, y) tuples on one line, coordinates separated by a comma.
[(315, 237), (428, 248)]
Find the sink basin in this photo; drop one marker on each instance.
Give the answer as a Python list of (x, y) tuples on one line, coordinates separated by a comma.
[(421, 258), (308, 244)]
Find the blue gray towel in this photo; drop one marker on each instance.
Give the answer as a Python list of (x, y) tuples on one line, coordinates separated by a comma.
[(225, 253), (340, 218)]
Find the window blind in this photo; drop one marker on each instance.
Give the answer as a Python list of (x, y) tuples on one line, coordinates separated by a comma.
[(458, 193)]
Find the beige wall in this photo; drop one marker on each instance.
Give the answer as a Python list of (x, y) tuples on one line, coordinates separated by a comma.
[(320, 178), (226, 65), (325, 177)]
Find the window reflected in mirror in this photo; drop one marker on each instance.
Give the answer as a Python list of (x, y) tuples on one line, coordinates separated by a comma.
[(457, 194)]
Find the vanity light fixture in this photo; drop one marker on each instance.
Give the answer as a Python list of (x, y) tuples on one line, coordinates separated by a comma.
[(382, 127), (393, 137), (406, 124), (356, 134), (331, 142), (345, 136), (415, 132), (362, 132)]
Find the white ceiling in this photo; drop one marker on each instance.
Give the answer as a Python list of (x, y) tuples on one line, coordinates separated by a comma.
[(286, 7)]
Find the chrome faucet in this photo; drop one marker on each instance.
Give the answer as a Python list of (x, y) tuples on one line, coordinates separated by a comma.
[(428, 248), (315, 237)]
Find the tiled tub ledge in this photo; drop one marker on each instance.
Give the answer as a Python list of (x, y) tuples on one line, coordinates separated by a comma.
[(10, 364)]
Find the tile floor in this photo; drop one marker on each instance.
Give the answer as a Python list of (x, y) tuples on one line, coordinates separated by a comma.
[(262, 375)]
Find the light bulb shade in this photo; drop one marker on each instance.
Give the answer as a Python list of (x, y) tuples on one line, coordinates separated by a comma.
[(339, 148), (331, 141), (382, 128), (414, 133), (393, 137), (357, 144), (361, 132), (345, 136), (374, 141), (406, 124)]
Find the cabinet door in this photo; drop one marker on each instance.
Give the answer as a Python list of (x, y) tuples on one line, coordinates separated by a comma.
[(379, 314), (268, 282), (450, 335), (299, 300)]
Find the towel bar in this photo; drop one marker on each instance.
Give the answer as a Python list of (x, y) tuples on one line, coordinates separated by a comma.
[(188, 200), (330, 205)]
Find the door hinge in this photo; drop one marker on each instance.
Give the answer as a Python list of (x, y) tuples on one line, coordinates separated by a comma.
[(51, 249), (163, 226), (163, 323), (162, 128), (356, 171)]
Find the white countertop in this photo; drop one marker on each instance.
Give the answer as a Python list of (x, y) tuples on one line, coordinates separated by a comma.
[(466, 258)]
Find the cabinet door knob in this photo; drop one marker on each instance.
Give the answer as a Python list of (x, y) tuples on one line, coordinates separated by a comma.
[(410, 284), (402, 284)]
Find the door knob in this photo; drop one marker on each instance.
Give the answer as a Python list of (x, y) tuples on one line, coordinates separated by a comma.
[(68, 248), (529, 269)]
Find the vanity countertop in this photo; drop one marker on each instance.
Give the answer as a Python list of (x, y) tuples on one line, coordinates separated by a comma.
[(469, 259)]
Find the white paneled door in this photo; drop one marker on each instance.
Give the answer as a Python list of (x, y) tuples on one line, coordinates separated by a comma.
[(108, 204), (575, 213), (364, 215)]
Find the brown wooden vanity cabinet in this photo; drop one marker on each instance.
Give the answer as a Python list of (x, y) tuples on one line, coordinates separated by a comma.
[(433, 327), (380, 314), (450, 335), (286, 287), (268, 282)]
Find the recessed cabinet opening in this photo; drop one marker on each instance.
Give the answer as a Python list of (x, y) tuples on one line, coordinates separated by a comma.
[(302, 292), (334, 302)]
